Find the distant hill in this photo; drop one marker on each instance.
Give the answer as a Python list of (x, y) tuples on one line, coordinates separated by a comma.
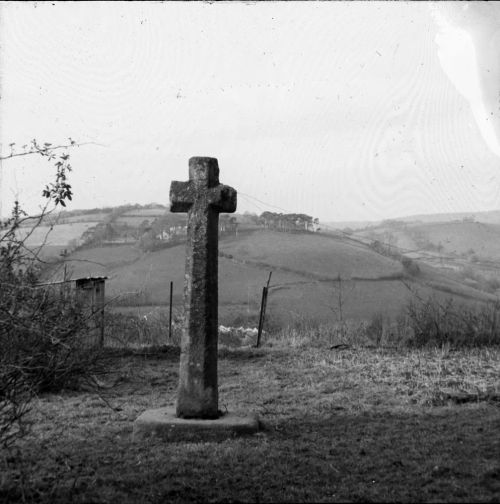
[(304, 284), (490, 217), (456, 258), (456, 238)]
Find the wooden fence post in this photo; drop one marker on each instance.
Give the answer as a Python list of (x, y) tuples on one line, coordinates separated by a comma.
[(170, 313), (263, 305)]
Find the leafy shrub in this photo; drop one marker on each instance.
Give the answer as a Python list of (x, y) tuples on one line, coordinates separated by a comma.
[(46, 345), (43, 331)]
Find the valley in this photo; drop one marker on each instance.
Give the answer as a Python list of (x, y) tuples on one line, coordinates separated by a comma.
[(379, 266)]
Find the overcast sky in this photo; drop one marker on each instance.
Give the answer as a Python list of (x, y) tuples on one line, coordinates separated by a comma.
[(341, 110)]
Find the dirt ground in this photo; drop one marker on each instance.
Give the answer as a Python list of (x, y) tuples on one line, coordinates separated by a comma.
[(356, 425)]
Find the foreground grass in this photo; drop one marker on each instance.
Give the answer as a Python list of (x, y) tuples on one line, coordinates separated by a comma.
[(352, 425)]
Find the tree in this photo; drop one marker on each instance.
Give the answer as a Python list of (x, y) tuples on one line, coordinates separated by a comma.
[(144, 226), (40, 329), (288, 222)]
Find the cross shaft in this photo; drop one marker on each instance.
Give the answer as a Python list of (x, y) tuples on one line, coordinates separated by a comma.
[(203, 198)]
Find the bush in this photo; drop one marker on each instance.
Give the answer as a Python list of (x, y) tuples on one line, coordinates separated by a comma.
[(410, 266), (43, 331), (15, 398), (432, 323), (46, 346)]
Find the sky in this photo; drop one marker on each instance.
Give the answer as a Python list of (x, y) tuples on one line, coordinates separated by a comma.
[(341, 110)]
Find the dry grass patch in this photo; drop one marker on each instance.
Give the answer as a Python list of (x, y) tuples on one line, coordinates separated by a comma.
[(351, 425)]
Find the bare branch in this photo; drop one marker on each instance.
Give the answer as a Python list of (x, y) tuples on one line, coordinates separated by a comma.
[(45, 151)]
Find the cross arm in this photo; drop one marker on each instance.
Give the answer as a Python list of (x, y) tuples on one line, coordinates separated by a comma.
[(181, 196), (223, 198)]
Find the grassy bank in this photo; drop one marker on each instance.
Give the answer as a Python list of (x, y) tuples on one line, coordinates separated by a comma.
[(351, 425)]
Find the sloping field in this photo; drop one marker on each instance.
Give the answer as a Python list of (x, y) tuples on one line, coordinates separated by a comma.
[(133, 220), (303, 286), (101, 261), (322, 257), (490, 217), (147, 212), (151, 275), (59, 235), (455, 237), (460, 237), (293, 297), (401, 237), (136, 220), (93, 217)]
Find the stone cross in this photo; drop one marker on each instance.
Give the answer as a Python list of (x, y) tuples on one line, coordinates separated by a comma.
[(203, 198)]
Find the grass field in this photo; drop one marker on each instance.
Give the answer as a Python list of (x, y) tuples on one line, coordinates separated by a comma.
[(93, 262), (136, 220), (460, 237), (59, 235), (147, 212), (357, 423), (92, 217), (319, 256), (304, 269), (455, 237), (336, 426), (133, 220), (303, 286)]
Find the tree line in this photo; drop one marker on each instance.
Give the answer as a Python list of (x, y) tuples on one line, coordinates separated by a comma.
[(292, 222)]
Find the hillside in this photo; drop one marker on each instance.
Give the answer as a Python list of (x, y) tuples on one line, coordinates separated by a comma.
[(453, 238), (456, 259), (304, 286), (488, 217), (317, 256), (55, 238), (466, 251), (462, 237)]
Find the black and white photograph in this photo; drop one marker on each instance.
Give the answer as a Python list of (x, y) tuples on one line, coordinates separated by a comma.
[(249, 251)]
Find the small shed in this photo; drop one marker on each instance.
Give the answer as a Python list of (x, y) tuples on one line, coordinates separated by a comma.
[(92, 291)]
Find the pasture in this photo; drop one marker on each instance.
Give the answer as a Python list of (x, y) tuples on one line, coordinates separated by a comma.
[(357, 425), (304, 285), (305, 269), (355, 422), (57, 235), (457, 238), (321, 257), (460, 237), (84, 217), (147, 212), (49, 241)]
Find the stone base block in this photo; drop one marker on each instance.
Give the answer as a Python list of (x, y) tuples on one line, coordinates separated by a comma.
[(162, 423)]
